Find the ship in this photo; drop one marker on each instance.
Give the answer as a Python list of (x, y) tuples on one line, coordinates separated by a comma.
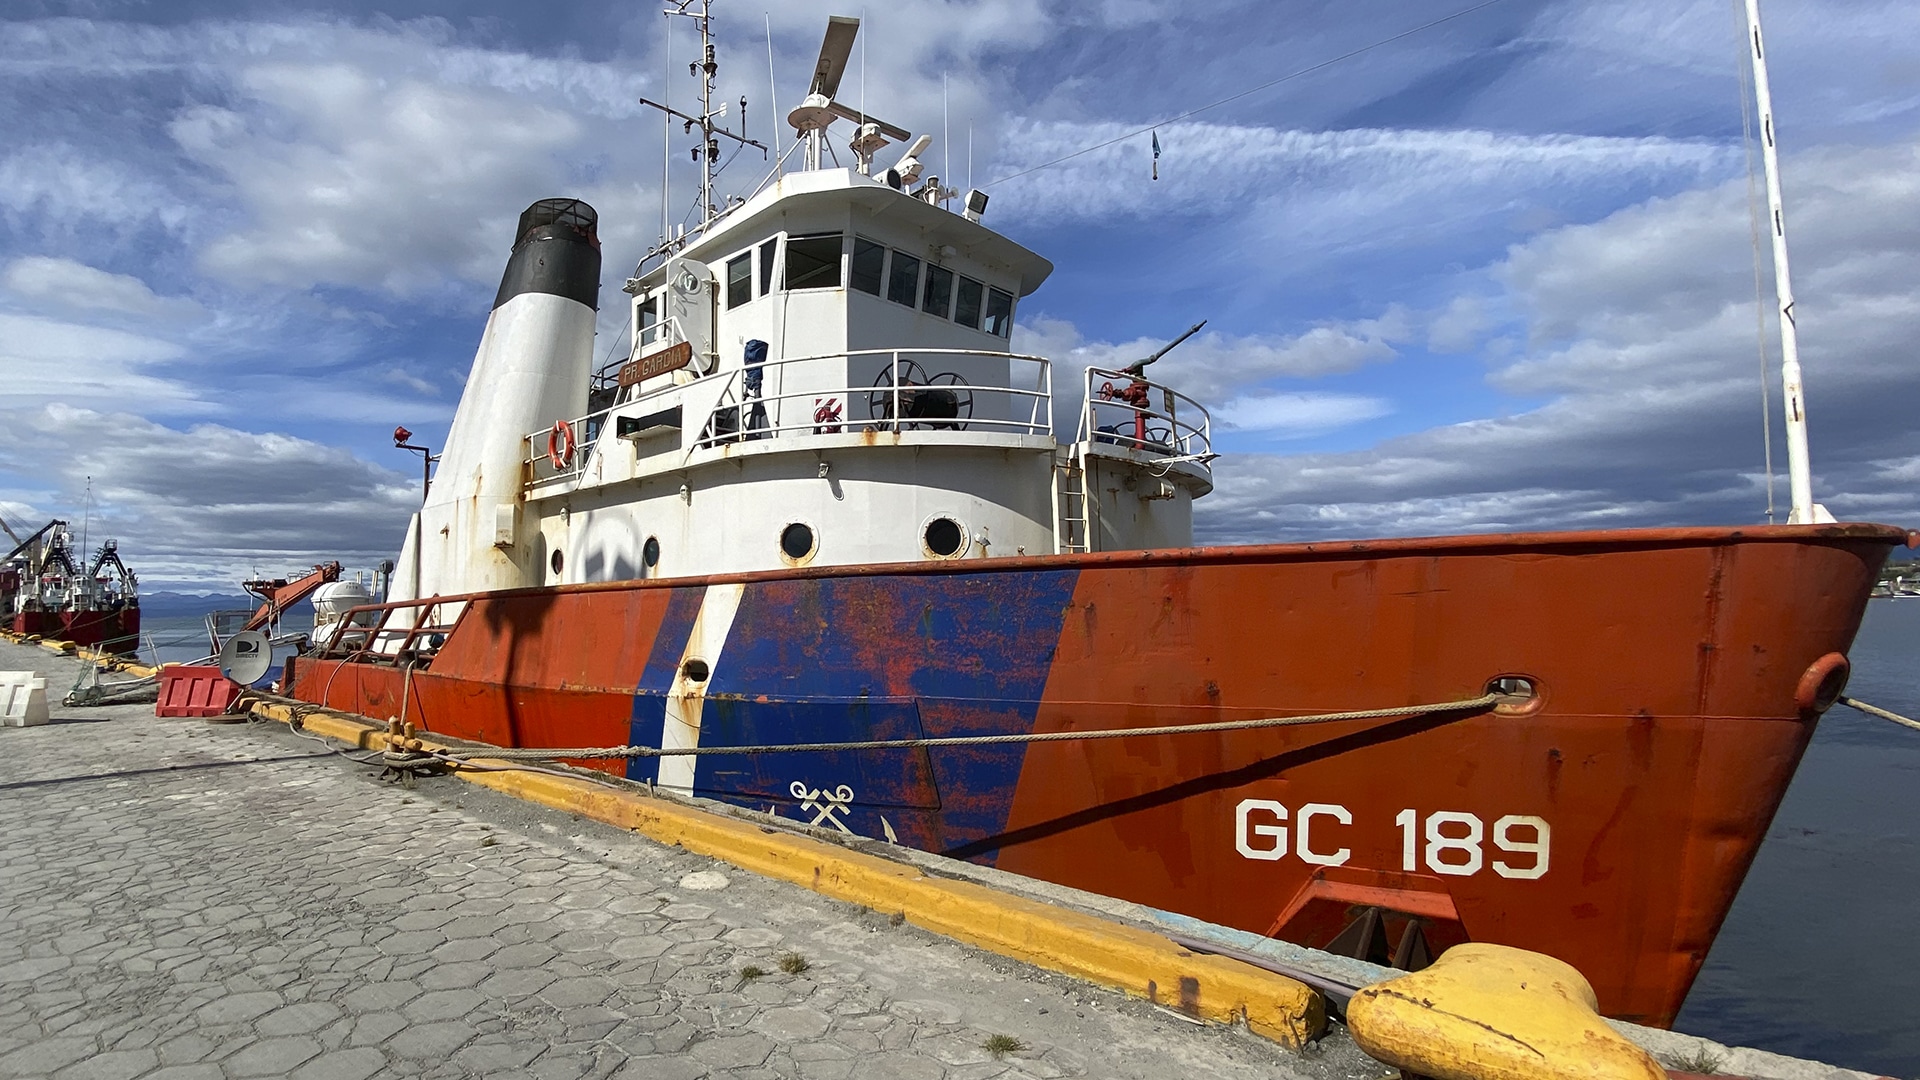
[(822, 502), (46, 591)]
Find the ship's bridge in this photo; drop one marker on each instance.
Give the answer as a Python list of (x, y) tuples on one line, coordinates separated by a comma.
[(839, 267), (823, 376)]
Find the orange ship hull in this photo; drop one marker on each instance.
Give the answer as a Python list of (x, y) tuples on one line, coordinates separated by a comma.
[(1607, 821), (113, 629)]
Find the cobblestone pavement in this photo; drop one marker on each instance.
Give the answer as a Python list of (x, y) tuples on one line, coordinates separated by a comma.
[(185, 900)]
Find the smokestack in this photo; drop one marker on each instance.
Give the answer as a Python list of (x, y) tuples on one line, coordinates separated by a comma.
[(532, 369)]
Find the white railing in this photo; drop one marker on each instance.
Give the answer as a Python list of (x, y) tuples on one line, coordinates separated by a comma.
[(539, 466), (665, 333), (1123, 409), (776, 399), (911, 390), (906, 394)]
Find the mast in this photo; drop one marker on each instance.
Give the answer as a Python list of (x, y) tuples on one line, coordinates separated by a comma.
[(704, 70), (1799, 469)]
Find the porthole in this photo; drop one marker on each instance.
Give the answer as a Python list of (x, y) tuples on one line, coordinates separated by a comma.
[(557, 561), (650, 552), (798, 544), (695, 670), (944, 538)]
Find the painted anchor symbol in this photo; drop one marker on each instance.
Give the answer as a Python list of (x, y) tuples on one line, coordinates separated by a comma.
[(827, 805)]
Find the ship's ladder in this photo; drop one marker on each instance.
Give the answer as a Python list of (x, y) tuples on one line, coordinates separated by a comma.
[(1071, 525)]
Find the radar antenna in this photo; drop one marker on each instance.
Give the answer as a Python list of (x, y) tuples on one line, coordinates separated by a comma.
[(818, 110), (704, 70)]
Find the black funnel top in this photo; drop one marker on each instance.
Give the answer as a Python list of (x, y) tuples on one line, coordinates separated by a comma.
[(555, 251)]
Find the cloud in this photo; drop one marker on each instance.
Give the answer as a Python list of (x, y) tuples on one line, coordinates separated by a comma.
[(1642, 335), (350, 179), (1212, 367), (205, 506), (1350, 177), (1298, 415), (58, 189), (75, 286), (49, 360), (338, 194)]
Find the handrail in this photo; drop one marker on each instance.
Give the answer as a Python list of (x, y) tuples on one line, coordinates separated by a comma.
[(352, 638), (1117, 408), (900, 392), (899, 397), (1167, 430), (659, 330)]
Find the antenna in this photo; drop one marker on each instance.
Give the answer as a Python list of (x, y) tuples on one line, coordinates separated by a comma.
[(704, 70), (946, 132), (246, 656), (773, 90), (666, 143)]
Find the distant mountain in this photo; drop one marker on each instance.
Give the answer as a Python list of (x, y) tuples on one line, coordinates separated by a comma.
[(170, 604)]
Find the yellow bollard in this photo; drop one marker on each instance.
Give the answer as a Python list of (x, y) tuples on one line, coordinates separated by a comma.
[(1489, 1012)]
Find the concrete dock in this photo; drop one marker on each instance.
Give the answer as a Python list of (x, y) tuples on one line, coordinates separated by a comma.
[(186, 899)]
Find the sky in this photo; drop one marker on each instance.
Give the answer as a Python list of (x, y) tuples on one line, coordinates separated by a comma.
[(1496, 274)]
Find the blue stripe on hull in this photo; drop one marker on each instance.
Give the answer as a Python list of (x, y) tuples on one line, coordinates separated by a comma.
[(882, 657)]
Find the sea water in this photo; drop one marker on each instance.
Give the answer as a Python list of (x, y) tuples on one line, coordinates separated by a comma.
[(179, 639), (1820, 956)]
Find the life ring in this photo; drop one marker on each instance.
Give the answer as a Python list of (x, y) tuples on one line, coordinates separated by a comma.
[(560, 445)]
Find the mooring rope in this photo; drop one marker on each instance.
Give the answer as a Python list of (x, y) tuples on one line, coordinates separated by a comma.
[(1875, 710), (591, 752)]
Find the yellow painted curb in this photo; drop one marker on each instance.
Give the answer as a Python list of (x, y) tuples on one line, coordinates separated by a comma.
[(65, 648), (115, 662), (1135, 961)]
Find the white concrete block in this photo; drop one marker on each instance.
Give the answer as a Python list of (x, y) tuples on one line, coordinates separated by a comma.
[(23, 699)]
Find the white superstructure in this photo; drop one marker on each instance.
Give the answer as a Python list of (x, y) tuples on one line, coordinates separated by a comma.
[(818, 376)]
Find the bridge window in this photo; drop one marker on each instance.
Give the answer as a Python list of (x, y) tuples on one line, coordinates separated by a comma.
[(766, 265), (903, 281), (937, 298), (869, 265), (813, 262), (999, 313), (739, 279), (647, 314), (966, 303)]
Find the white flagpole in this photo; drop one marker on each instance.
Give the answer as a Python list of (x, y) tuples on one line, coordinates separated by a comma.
[(1799, 469)]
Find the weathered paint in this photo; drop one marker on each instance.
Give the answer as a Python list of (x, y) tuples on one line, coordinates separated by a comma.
[(1665, 733)]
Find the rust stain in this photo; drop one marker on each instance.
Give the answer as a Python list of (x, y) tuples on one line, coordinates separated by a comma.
[(1710, 645)]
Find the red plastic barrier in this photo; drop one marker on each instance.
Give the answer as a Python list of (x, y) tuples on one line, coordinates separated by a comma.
[(189, 690)]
